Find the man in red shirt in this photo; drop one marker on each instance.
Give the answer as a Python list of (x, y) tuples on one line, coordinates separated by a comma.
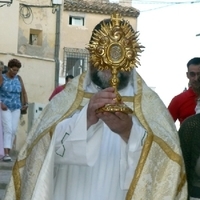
[(61, 87), (183, 105)]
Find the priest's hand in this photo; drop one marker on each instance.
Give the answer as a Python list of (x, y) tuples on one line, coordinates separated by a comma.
[(118, 122), (98, 100)]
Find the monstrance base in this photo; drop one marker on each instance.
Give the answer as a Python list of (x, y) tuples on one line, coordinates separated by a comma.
[(115, 108)]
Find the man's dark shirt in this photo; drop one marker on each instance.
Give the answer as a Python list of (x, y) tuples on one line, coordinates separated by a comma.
[(189, 134)]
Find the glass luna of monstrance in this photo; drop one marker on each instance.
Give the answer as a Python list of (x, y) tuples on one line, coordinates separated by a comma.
[(115, 47)]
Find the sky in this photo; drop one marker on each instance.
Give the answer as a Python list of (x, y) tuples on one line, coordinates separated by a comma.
[(168, 33)]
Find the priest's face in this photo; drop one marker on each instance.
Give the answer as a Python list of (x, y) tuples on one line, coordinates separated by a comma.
[(102, 78)]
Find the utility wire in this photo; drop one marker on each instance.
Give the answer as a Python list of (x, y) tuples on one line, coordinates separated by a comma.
[(163, 2), (25, 13), (156, 3), (159, 2), (151, 9)]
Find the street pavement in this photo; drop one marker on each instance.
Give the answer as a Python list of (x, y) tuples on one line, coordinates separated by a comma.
[(5, 174)]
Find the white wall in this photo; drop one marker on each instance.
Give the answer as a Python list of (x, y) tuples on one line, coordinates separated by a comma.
[(9, 28)]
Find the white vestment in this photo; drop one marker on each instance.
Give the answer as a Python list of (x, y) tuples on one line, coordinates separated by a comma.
[(100, 165), (94, 164), (158, 174)]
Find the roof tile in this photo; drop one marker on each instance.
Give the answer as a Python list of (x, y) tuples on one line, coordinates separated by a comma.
[(99, 8)]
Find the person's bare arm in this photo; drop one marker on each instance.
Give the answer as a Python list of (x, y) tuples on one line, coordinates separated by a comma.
[(24, 95)]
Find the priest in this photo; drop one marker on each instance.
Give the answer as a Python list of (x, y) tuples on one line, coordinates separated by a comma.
[(112, 138)]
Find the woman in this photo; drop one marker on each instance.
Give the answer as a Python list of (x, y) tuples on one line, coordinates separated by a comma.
[(11, 86), (189, 134)]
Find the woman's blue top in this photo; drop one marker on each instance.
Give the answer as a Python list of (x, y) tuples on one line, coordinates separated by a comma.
[(10, 91)]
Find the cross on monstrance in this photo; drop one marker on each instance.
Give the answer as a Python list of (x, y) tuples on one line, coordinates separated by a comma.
[(115, 47)]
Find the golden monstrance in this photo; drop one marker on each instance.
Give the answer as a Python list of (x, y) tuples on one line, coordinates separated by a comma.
[(115, 46)]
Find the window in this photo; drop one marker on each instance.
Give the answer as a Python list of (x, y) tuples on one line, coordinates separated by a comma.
[(75, 61), (35, 37), (76, 21)]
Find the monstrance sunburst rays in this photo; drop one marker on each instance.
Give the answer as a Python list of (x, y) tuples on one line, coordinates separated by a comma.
[(115, 46)]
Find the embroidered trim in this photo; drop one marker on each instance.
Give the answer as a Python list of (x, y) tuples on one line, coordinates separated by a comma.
[(63, 145)]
